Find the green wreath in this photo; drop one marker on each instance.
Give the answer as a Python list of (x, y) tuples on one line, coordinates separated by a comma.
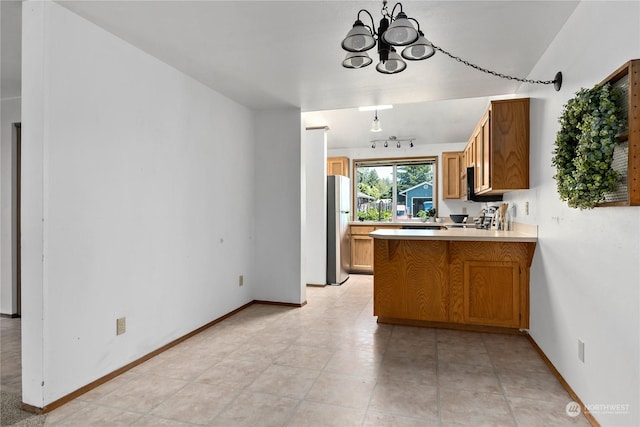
[(584, 146)]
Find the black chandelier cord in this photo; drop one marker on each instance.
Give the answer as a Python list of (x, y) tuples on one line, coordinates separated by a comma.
[(557, 80)]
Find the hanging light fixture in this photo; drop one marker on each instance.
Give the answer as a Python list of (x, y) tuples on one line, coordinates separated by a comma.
[(397, 30), (392, 139), (376, 125)]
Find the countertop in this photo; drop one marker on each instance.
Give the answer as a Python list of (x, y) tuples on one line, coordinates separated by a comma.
[(521, 233), (401, 223)]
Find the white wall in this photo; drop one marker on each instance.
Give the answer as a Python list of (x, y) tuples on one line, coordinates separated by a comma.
[(9, 114), (585, 279), (278, 205), (314, 213), (445, 206), (138, 198)]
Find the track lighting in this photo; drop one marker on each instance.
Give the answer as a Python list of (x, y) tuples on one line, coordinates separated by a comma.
[(393, 139)]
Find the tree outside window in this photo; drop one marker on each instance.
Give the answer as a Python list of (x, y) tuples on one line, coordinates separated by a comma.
[(394, 189)]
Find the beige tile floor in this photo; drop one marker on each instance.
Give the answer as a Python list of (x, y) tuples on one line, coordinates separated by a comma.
[(326, 364)]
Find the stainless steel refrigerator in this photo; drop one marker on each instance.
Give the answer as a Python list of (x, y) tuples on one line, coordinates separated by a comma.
[(338, 211)]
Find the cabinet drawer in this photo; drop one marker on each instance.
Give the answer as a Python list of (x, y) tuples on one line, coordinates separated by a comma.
[(364, 230)]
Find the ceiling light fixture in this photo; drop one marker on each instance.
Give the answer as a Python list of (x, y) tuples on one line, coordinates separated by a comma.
[(398, 31), (376, 125), (375, 107), (393, 139)]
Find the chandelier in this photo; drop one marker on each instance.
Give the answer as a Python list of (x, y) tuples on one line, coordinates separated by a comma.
[(398, 31)]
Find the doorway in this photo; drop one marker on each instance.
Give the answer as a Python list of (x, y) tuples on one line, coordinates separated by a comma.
[(18, 248)]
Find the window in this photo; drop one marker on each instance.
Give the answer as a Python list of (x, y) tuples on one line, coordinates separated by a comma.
[(394, 189)]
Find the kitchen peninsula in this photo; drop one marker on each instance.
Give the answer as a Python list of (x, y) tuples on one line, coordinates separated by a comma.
[(455, 278)]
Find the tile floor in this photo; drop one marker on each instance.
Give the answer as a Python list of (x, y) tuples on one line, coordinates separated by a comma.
[(327, 364)]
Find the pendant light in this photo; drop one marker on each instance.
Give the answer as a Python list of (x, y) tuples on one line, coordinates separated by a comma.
[(401, 32), (392, 65), (356, 60), (418, 50), (376, 125)]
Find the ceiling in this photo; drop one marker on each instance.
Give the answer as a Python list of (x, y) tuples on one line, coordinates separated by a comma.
[(277, 54), (10, 63)]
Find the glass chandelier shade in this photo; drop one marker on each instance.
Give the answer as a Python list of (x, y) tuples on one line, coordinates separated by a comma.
[(394, 64), (401, 32), (358, 39), (420, 49), (376, 125), (356, 60)]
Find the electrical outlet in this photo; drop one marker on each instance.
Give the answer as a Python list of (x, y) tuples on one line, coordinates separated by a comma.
[(464, 210), (240, 280), (581, 350), (121, 325), (526, 208)]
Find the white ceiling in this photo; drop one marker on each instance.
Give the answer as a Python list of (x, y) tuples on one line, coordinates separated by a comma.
[(10, 47), (273, 54)]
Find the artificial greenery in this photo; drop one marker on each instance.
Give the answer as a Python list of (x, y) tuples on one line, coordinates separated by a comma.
[(584, 146)]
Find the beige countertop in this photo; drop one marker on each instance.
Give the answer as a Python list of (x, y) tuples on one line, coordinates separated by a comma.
[(401, 223), (521, 233)]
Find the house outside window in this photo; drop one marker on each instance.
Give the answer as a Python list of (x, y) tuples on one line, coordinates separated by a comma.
[(394, 189)]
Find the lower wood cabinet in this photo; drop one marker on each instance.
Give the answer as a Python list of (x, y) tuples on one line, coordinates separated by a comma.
[(490, 283), (362, 246), (470, 284), (491, 291)]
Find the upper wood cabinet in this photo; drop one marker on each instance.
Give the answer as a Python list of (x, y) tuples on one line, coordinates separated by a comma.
[(338, 166), (499, 148), (451, 178)]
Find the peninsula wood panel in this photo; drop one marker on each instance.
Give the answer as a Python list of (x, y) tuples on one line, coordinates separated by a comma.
[(410, 279), (362, 247)]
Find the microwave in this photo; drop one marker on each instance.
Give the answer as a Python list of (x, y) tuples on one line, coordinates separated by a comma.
[(472, 196)]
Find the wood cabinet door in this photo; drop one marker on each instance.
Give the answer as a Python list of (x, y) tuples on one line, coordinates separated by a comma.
[(481, 141), (451, 167), (361, 253), (491, 293), (338, 166), (478, 148), (486, 153)]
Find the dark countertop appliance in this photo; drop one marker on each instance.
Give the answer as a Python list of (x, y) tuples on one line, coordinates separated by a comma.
[(472, 196)]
